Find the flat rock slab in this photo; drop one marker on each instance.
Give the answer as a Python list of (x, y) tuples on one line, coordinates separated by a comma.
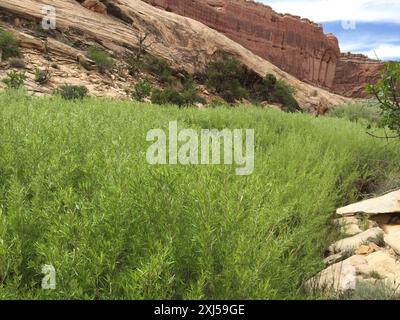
[(352, 243), (389, 203)]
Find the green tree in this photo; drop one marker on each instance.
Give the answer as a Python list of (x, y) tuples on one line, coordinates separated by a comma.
[(142, 90), (387, 92)]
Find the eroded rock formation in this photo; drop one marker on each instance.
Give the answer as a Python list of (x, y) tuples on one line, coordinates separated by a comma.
[(297, 46), (187, 44), (368, 256), (353, 71)]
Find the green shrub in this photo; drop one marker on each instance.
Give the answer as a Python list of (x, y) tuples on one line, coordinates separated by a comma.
[(17, 63), (135, 64), (15, 80), (357, 112), (160, 68), (142, 90), (8, 45), (42, 76), (189, 93), (387, 92), (284, 94), (276, 91), (227, 77), (72, 92), (187, 97), (103, 60), (218, 102), (167, 96)]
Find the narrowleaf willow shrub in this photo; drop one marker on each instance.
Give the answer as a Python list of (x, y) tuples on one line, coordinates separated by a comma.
[(387, 92), (77, 192)]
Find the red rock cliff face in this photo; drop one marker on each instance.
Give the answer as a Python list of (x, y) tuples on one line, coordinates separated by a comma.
[(353, 71), (297, 46)]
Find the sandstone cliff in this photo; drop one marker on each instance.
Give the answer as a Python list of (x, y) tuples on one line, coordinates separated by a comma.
[(353, 71), (297, 46), (187, 44)]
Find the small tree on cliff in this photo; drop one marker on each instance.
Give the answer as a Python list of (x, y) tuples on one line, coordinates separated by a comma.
[(387, 92)]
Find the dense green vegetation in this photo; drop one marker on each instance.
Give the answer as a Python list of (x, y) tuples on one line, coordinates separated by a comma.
[(104, 62), (8, 45), (366, 112), (76, 192), (72, 92), (387, 93), (234, 81), (14, 79)]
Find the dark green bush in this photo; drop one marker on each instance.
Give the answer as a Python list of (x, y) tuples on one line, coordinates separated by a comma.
[(142, 90), (8, 45), (103, 60), (189, 93), (284, 94), (387, 92), (15, 80), (233, 81), (160, 68), (72, 92), (227, 78), (167, 96), (187, 97), (42, 76)]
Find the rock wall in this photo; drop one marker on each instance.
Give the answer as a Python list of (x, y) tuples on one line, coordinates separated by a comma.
[(186, 44), (353, 71), (297, 46)]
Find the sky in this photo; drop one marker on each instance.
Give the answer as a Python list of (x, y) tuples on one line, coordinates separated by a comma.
[(371, 27)]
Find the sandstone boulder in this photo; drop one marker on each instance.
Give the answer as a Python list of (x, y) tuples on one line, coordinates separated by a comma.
[(393, 240), (389, 203), (351, 273)]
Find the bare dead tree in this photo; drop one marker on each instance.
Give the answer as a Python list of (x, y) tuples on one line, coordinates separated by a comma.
[(143, 44)]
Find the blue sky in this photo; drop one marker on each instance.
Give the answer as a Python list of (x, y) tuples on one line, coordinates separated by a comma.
[(371, 27)]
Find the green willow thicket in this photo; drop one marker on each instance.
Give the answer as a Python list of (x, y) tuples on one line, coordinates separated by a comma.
[(76, 192)]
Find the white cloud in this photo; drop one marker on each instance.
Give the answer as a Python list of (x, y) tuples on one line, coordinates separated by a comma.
[(336, 10), (383, 52)]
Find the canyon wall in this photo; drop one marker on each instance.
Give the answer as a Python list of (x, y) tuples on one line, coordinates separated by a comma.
[(353, 71), (295, 45)]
